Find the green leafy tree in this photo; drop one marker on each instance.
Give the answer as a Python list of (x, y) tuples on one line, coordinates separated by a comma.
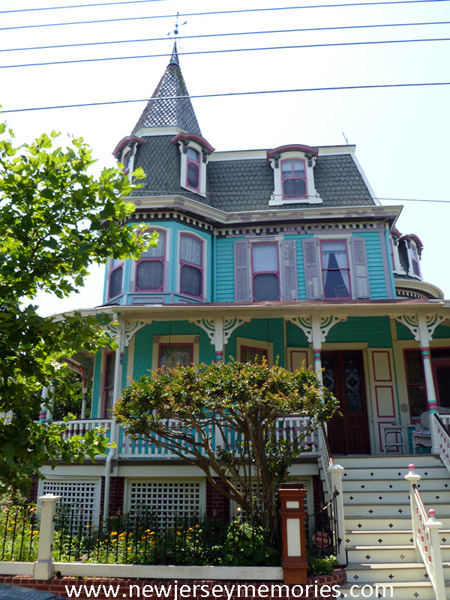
[(231, 421), (56, 219)]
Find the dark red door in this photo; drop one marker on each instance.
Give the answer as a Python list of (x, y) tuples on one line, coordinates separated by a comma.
[(348, 430)]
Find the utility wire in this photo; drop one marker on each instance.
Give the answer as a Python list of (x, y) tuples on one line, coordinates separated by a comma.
[(223, 12), (223, 51), (22, 10), (230, 34), (231, 94)]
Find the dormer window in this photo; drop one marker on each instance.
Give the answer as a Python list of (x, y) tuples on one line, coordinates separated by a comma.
[(194, 152), (293, 173), (193, 169)]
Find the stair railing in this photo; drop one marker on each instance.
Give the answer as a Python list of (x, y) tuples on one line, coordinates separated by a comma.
[(425, 529), (441, 437), (333, 482)]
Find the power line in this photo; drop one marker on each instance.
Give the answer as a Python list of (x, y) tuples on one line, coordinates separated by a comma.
[(223, 12), (231, 94), (41, 8), (223, 51), (229, 34)]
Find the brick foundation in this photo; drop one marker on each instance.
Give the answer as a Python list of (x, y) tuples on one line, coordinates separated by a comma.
[(262, 588)]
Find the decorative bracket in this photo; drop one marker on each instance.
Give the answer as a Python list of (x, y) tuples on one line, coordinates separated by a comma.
[(210, 327), (131, 328), (424, 334), (307, 325)]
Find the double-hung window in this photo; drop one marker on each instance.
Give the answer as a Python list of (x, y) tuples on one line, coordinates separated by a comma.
[(293, 175), (335, 269), (265, 271), (191, 266), (193, 159), (115, 278), (150, 268)]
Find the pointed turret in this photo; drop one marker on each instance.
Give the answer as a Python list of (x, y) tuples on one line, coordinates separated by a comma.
[(170, 105)]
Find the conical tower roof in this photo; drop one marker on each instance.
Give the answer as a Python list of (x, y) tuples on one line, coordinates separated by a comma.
[(170, 105)]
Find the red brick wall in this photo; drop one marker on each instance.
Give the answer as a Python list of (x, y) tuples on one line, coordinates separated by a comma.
[(57, 586)]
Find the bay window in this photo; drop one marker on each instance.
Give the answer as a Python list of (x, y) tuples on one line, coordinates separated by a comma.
[(150, 268), (191, 266), (115, 278)]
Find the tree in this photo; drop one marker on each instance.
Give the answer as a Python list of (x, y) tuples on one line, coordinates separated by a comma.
[(228, 419), (56, 219)]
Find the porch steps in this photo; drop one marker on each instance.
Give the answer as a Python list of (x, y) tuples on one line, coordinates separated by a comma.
[(378, 534)]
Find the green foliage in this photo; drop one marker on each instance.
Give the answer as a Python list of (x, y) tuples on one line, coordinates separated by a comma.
[(246, 406), (321, 565), (55, 221)]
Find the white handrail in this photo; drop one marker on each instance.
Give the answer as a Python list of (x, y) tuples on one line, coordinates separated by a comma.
[(426, 536), (438, 424)]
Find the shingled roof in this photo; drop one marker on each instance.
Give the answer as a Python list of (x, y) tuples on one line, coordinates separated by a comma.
[(170, 105)]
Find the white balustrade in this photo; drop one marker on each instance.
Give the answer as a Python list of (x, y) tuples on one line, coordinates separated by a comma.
[(426, 536), (82, 426)]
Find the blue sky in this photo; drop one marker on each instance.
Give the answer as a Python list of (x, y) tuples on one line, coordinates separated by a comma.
[(402, 135)]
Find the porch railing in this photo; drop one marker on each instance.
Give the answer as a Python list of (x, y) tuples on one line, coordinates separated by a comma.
[(440, 425), (425, 529), (289, 428), (81, 426)]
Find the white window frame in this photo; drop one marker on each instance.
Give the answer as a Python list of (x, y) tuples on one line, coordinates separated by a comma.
[(184, 145), (193, 340), (277, 198)]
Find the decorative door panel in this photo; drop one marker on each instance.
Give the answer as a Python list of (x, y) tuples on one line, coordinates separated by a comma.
[(383, 393)]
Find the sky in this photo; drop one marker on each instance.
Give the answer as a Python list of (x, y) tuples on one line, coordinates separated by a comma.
[(402, 134)]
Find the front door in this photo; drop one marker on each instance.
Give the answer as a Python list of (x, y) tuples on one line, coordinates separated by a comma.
[(343, 375)]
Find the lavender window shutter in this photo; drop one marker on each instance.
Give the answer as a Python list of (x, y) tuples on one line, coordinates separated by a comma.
[(360, 270), (313, 275), (289, 267), (241, 272)]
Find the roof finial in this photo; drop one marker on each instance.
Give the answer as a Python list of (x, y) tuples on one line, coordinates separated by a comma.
[(174, 58)]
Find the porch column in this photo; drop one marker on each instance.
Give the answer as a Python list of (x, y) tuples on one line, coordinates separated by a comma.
[(218, 339), (84, 400), (43, 410), (425, 337), (112, 452), (317, 347)]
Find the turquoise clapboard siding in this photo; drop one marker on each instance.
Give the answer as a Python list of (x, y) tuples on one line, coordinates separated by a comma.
[(224, 262), (263, 330)]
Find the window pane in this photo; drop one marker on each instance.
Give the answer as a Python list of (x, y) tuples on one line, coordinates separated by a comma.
[(191, 250), (150, 275), (193, 175), (299, 168), (171, 355), (266, 287), (253, 355), (115, 282), (414, 367), (286, 168), (265, 257), (299, 188), (337, 284), (158, 251), (191, 281), (288, 188), (193, 155)]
